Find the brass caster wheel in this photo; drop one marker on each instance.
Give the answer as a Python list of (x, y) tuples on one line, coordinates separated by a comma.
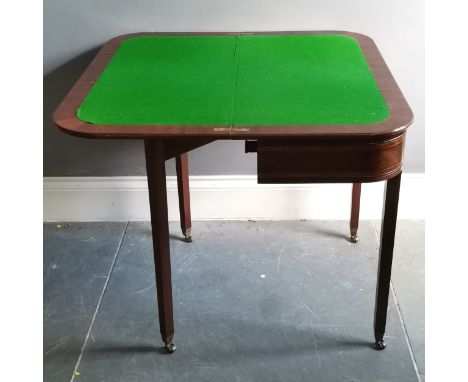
[(380, 345), (354, 239), (170, 347), (187, 235)]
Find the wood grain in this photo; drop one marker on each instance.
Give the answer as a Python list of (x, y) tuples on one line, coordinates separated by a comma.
[(317, 161)]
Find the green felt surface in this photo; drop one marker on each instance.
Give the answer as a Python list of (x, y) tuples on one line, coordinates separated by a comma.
[(236, 80)]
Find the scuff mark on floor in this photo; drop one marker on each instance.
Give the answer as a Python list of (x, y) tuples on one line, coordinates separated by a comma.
[(279, 259), (145, 289)]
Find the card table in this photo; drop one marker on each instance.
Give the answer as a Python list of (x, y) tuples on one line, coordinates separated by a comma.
[(315, 107)]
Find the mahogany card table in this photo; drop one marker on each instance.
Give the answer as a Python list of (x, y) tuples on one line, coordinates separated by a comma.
[(315, 107)]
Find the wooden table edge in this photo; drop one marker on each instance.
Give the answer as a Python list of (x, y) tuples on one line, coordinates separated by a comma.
[(400, 118)]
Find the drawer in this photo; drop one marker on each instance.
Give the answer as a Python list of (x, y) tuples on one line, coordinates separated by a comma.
[(295, 161)]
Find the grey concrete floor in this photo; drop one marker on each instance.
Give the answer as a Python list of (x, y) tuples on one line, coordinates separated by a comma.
[(253, 301)]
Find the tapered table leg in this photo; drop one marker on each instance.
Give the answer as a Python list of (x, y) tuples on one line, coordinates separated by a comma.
[(355, 205), (155, 168), (184, 195), (387, 240)]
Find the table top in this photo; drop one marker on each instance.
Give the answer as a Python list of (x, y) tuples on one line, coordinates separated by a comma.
[(236, 85)]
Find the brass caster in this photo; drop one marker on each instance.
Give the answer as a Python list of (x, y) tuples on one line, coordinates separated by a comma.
[(354, 239), (170, 347), (187, 235), (380, 345)]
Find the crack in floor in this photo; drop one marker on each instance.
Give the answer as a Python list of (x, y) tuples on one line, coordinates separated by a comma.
[(88, 334)]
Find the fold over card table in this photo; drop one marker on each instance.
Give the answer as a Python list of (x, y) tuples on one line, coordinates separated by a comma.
[(316, 107)]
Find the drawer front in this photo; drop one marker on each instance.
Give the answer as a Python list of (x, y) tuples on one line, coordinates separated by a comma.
[(329, 161)]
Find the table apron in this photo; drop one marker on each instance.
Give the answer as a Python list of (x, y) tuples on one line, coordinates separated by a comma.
[(294, 161)]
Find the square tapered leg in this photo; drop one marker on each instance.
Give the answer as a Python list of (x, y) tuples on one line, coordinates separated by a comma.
[(155, 168), (184, 195), (387, 240), (355, 206)]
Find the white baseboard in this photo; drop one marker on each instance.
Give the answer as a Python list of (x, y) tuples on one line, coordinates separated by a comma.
[(221, 197)]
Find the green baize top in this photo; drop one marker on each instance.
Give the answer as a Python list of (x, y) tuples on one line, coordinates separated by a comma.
[(236, 80)]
